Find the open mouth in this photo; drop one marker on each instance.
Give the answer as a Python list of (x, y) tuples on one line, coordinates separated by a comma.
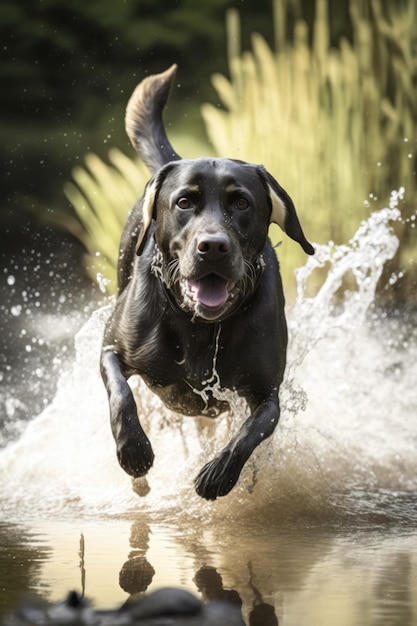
[(211, 291)]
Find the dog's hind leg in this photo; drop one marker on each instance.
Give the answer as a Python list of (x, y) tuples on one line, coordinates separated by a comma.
[(220, 475), (134, 450)]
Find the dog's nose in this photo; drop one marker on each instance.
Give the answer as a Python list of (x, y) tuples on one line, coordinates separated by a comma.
[(213, 247)]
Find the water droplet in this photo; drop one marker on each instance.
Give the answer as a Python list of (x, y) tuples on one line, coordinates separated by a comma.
[(16, 310), (102, 282)]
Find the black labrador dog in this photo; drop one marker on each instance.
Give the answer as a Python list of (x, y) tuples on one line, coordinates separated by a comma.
[(200, 296)]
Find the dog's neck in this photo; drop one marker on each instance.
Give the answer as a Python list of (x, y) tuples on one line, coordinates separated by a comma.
[(157, 268)]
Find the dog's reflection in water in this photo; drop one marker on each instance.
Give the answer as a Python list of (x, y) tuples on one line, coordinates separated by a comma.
[(210, 584), (137, 574), (167, 605)]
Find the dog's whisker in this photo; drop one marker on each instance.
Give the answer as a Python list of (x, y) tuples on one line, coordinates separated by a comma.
[(249, 277), (171, 274)]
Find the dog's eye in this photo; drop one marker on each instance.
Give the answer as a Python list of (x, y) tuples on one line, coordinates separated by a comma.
[(184, 203), (242, 204)]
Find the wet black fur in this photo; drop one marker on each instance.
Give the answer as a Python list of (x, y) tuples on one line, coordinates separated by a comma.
[(171, 347)]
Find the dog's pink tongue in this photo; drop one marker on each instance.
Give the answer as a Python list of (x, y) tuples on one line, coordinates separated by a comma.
[(211, 291)]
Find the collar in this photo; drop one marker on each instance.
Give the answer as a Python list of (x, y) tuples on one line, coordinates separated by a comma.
[(157, 268)]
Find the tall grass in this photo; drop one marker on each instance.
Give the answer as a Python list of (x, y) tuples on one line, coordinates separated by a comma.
[(101, 194), (335, 125)]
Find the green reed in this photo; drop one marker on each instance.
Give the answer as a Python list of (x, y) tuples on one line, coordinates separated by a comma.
[(102, 194)]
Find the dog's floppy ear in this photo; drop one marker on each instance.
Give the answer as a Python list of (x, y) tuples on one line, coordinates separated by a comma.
[(284, 214), (149, 203)]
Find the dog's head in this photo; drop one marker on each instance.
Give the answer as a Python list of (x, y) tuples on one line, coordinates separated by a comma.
[(212, 217)]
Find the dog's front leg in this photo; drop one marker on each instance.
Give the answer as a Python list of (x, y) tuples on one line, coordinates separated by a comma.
[(220, 475), (134, 450)]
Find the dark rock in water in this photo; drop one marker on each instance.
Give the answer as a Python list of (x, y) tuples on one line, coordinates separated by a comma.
[(166, 602), (166, 606)]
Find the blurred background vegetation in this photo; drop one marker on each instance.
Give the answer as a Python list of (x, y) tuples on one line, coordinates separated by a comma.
[(324, 94)]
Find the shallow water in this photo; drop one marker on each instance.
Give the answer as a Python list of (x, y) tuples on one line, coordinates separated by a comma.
[(322, 525), (301, 573)]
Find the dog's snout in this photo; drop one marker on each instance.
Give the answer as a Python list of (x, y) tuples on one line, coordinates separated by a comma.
[(213, 247)]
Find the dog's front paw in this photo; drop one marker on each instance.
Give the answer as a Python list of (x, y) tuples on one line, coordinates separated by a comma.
[(218, 477), (135, 455)]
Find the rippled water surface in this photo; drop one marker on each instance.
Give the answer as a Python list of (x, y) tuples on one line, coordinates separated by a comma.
[(321, 528), (357, 571)]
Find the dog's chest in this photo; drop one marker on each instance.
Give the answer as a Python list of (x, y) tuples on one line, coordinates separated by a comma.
[(199, 353), (200, 366), (189, 380)]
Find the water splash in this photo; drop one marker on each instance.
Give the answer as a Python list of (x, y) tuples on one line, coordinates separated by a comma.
[(364, 257), (347, 417)]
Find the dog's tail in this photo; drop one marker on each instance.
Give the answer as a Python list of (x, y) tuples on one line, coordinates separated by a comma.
[(143, 121)]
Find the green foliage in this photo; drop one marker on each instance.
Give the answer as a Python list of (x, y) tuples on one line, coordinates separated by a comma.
[(67, 69)]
